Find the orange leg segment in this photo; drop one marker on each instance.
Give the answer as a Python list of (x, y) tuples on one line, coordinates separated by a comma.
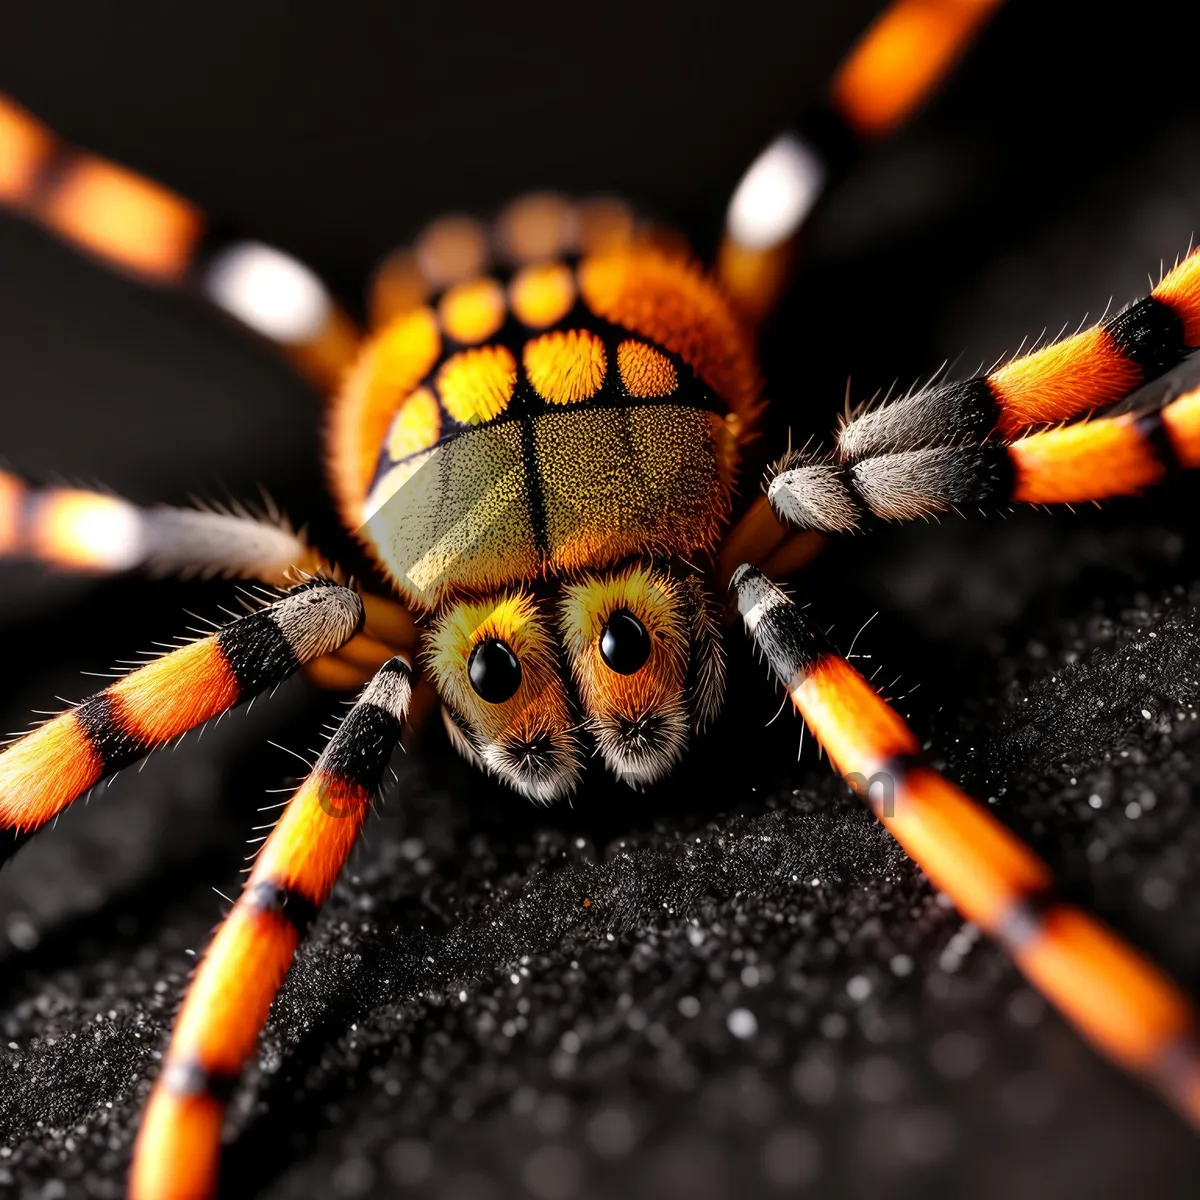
[(226, 1007), (143, 229), (892, 69), (44, 771), (1128, 1009), (1113, 456), (1088, 370)]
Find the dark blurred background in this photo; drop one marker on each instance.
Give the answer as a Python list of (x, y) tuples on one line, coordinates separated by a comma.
[(764, 995)]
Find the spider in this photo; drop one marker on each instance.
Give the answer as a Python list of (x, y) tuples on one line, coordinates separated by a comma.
[(622, 643)]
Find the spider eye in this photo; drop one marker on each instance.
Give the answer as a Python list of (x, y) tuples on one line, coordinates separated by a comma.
[(624, 644), (494, 671)]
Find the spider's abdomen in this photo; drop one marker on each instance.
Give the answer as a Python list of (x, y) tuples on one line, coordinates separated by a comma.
[(571, 417)]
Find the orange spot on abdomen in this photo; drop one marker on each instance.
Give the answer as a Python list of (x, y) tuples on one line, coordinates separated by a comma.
[(645, 372), (566, 367), (390, 366), (471, 312), (666, 300), (416, 426), (542, 294), (477, 385)]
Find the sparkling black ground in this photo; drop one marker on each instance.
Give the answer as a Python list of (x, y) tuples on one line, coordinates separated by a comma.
[(735, 983)]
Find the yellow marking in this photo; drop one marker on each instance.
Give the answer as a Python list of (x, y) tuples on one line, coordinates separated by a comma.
[(416, 426), (566, 367), (390, 366), (645, 372), (540, 225), (542, 294), (452, 249), (670, 302), (471, 312), (124, 218), (477, 385)]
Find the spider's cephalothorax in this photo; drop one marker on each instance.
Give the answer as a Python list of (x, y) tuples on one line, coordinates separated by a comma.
[(541, 460)]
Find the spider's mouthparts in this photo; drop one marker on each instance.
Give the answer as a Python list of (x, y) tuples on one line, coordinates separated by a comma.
[(536, 754), (640, 733)]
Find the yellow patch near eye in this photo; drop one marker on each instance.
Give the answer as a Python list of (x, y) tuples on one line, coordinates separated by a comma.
[(471, 312), (644, 371), (566, 368), (542, 294), (477, 385), (416, 426)]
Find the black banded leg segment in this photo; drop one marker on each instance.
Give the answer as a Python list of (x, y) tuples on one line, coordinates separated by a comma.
[(44, 771), (178, 1147), (1123, 1005)]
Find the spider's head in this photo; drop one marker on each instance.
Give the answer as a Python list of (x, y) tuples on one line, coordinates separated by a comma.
[(647, 662), (644, 657), (496, 666)]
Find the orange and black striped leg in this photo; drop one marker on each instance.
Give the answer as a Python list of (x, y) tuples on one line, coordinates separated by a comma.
[(44, 771), (1093, 368), (142, 229), (178, 1146), (1122, 1004), (89, 531), (889, 73), (1090, 460)]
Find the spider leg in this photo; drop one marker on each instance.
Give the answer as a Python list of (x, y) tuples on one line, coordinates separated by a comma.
[(78, 530), (226, 1006), (890, 71), (945, 446), (143, 229), (1123, 1005), (1090, 460), (763, 538), (42, 772), (1094, 367)]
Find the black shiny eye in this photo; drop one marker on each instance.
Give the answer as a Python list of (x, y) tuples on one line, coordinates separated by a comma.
[(494, 671), (624, 644)]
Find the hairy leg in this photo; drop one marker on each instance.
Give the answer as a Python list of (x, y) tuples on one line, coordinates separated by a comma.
[(226, 1006), (44, 771), (1128, 1009)]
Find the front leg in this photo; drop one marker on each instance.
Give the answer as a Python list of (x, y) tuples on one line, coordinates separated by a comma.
[(226, 1006), (1126, 1007)]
